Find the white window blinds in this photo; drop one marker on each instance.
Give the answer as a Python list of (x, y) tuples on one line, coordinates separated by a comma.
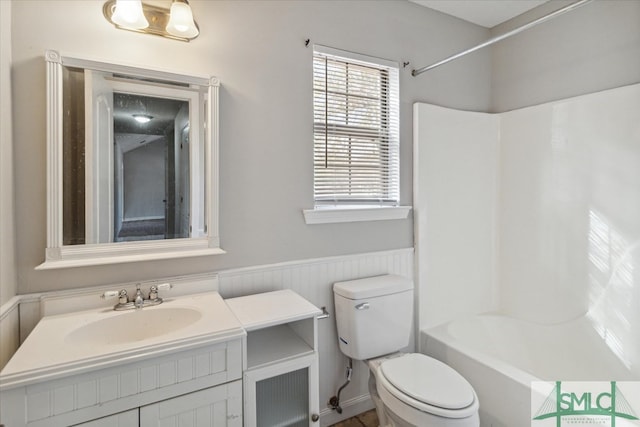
[(356, 134)]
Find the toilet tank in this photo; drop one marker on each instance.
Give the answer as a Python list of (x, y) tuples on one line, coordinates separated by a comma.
[(374, 315)]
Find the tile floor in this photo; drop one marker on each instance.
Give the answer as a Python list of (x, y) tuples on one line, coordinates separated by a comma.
[(366, 419)]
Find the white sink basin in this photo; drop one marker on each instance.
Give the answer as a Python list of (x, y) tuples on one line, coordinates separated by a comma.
[(84, 340), (139, 325)]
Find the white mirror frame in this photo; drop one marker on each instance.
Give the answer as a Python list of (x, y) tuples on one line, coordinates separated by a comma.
[(58, 255)]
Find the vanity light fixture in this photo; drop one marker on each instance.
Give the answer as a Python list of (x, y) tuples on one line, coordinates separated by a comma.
[(142, 118), (176, 23)]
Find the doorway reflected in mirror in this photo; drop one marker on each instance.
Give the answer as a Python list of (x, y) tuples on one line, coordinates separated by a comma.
[(140, 190), (151, 182)]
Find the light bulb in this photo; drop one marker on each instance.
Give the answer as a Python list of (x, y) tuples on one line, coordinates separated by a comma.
[(142, 118), (181, 22), (128, 14)]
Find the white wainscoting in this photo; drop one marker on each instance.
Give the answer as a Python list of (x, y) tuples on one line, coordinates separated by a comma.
[(313, 280)]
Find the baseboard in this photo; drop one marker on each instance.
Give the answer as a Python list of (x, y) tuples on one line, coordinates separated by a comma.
[(350, 408)]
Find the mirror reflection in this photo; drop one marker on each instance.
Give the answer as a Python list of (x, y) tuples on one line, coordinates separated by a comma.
[(127, 150)]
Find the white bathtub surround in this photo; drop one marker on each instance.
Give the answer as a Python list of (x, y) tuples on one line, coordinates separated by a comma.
[(568, 209), (566, 222)]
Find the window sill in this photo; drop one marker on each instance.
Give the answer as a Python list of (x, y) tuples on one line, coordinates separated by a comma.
[(326, 215)]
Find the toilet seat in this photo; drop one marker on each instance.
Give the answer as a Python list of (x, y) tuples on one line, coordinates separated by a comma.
[(428, 385)]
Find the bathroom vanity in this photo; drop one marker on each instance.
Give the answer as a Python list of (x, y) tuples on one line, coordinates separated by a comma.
[(181, 360), (184, 362)]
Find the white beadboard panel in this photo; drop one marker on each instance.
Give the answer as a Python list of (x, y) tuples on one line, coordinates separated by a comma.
[(87, 393), (310, 278), (39, 404), (46, 402), (129, 382), (148, 378), (313, 279), (108, 388), (63, 399), (185, 369)]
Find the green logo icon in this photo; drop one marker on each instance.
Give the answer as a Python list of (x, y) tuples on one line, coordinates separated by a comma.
[(589, 405)]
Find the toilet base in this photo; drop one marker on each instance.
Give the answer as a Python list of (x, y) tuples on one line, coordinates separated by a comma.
[(380, 409)]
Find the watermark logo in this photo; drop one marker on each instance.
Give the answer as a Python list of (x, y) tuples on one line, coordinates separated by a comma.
[(585, 403)]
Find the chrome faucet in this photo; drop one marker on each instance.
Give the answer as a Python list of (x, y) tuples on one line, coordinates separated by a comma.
[(139, 301)]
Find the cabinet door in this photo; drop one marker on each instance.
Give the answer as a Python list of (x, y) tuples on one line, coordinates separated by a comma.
[(218, 406), (123, 419), (284, 394)]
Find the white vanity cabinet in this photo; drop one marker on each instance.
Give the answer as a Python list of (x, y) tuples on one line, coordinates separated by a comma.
[(196, 387), (281, 359)]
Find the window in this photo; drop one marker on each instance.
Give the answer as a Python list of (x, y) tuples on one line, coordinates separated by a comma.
[(356, 134)]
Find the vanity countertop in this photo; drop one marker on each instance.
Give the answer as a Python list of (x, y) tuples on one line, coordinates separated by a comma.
[(77, 342)]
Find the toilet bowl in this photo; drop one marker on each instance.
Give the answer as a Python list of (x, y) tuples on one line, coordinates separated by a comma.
[(416, 390), (374, 317)]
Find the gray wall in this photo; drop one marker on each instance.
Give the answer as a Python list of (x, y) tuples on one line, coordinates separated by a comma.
[(257, 50), (592, 48), (8, 282)]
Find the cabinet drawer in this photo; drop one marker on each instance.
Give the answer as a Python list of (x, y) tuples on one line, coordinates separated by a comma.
[(87, 396), (124, 419), (219, 406)]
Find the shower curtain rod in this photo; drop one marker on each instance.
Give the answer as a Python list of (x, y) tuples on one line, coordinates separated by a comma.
[(502, 36)]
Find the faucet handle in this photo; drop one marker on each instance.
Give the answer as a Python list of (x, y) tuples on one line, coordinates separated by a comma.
[(110, 294), (165, 286), (153, 292), (122, 295)]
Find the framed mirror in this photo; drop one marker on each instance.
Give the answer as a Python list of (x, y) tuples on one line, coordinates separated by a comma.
[(132, 163)]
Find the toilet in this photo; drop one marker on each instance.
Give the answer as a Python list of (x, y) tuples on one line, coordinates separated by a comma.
[(374, 318)]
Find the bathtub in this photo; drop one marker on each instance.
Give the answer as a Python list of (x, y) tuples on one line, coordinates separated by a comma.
[(500, 356)]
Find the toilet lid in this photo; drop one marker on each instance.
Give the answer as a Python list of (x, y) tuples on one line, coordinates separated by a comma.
[(428, 380)]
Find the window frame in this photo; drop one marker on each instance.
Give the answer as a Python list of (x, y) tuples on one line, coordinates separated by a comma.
[(386, 204)]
